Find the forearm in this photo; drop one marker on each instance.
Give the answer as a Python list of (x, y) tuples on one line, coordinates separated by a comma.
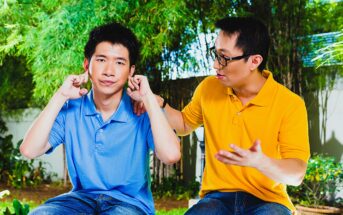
[(175, 119), (35, 142), (167, 145), (289, 171)]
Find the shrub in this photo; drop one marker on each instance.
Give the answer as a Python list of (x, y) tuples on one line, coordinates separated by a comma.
[(322, 180), (16, 171), (172, 187)]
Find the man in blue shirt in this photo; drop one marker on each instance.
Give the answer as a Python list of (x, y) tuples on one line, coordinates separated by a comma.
[(107, 145)]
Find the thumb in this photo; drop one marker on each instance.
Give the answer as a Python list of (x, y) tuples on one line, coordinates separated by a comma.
[(83, 91), (256, 146)]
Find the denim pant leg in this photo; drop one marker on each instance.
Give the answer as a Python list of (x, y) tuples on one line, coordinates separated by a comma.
[(108, 205), (213, 204), (238, 203), (69, 203), (271, 208), (256, 206)]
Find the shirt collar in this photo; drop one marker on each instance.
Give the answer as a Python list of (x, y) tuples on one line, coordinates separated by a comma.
[(122, 113), (263, 98), (268, 89)]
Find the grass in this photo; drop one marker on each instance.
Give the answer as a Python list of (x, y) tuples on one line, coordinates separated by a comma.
[(179, 211), (4, 204), (9, 204)]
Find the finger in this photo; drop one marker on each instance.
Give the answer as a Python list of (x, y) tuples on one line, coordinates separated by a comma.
[(225, 160), (241, 152), (129, 91), (135, 83), (130, 84), (229, 155), (256, 147), (76, 81), (85, 77), (81, 79)]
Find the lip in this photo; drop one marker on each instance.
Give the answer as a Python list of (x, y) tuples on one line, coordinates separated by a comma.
[(219, 76), (107, 82)]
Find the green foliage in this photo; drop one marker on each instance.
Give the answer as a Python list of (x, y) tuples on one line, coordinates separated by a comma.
[(19, 208), (179, 211), (332, 53), (322, 180), (17, 171), (16, 84), (172, 187), (51, 35)]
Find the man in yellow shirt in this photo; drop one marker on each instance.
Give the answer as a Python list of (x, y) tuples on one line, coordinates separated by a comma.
[(256, 134)]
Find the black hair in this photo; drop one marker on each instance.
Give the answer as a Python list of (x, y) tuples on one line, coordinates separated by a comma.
[(114, 33), (253, 37)]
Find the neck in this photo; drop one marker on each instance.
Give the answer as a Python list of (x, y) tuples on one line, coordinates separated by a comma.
[(251, 87), (107, 104)]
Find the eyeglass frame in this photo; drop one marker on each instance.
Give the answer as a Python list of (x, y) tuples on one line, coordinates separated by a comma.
[(217, 57)]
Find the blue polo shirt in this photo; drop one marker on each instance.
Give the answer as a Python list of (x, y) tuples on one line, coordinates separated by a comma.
[(106, 157)]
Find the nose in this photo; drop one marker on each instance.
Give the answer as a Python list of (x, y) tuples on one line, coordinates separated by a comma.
[(109, 69), (216, 64)]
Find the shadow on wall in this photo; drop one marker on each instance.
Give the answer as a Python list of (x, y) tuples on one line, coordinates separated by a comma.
[(333, 147)]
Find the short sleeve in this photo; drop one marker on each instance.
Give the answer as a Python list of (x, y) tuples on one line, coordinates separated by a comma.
[(293, 137), (57, 132), (192, 113), (149, 135)]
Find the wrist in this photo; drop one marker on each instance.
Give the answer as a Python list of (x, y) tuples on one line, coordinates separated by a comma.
[(61, 95), (265, 163), (161, 101)]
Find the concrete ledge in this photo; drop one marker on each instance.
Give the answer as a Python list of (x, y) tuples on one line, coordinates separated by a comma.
[(192, 202)]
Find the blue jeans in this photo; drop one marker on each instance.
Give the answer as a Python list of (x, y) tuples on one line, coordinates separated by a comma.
[(237, 203), (85, 203)]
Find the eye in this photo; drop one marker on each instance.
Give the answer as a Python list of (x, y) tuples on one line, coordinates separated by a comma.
[(120, 62), (100, 60)]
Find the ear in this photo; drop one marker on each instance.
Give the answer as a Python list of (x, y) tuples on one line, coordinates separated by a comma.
[(132, 70), (256, 60), (86, 64)]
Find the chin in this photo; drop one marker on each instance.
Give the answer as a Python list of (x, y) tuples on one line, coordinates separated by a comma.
[(225, 83), (108, 91)]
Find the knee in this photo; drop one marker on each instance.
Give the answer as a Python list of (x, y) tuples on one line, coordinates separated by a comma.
[(208, 206), (274, 208), (45, 210)]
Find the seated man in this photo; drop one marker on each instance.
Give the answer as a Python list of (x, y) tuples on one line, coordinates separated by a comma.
[(256, 134), (107, 145)]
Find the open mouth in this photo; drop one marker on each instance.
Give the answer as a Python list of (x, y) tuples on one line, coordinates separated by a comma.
[(219, 76)]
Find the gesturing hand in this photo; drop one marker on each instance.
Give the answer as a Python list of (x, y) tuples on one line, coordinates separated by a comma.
[(71, 87), (252, 157)]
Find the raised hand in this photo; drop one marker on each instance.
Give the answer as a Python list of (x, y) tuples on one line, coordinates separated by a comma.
[(251, 157), (138, 88), (72, 86)]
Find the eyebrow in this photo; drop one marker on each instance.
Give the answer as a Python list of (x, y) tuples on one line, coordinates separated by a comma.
[(117, 58), (225, 51)]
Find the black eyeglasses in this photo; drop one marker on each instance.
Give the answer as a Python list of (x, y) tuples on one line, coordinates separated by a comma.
[(224, 60)]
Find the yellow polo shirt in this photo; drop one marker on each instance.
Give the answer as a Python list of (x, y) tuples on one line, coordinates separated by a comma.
[(276, 116)]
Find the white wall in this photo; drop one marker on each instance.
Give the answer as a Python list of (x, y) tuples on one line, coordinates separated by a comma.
[(17, 126), (334, 125)]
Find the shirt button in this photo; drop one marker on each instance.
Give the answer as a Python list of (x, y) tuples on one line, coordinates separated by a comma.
[(238, 113), (101, 130)]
